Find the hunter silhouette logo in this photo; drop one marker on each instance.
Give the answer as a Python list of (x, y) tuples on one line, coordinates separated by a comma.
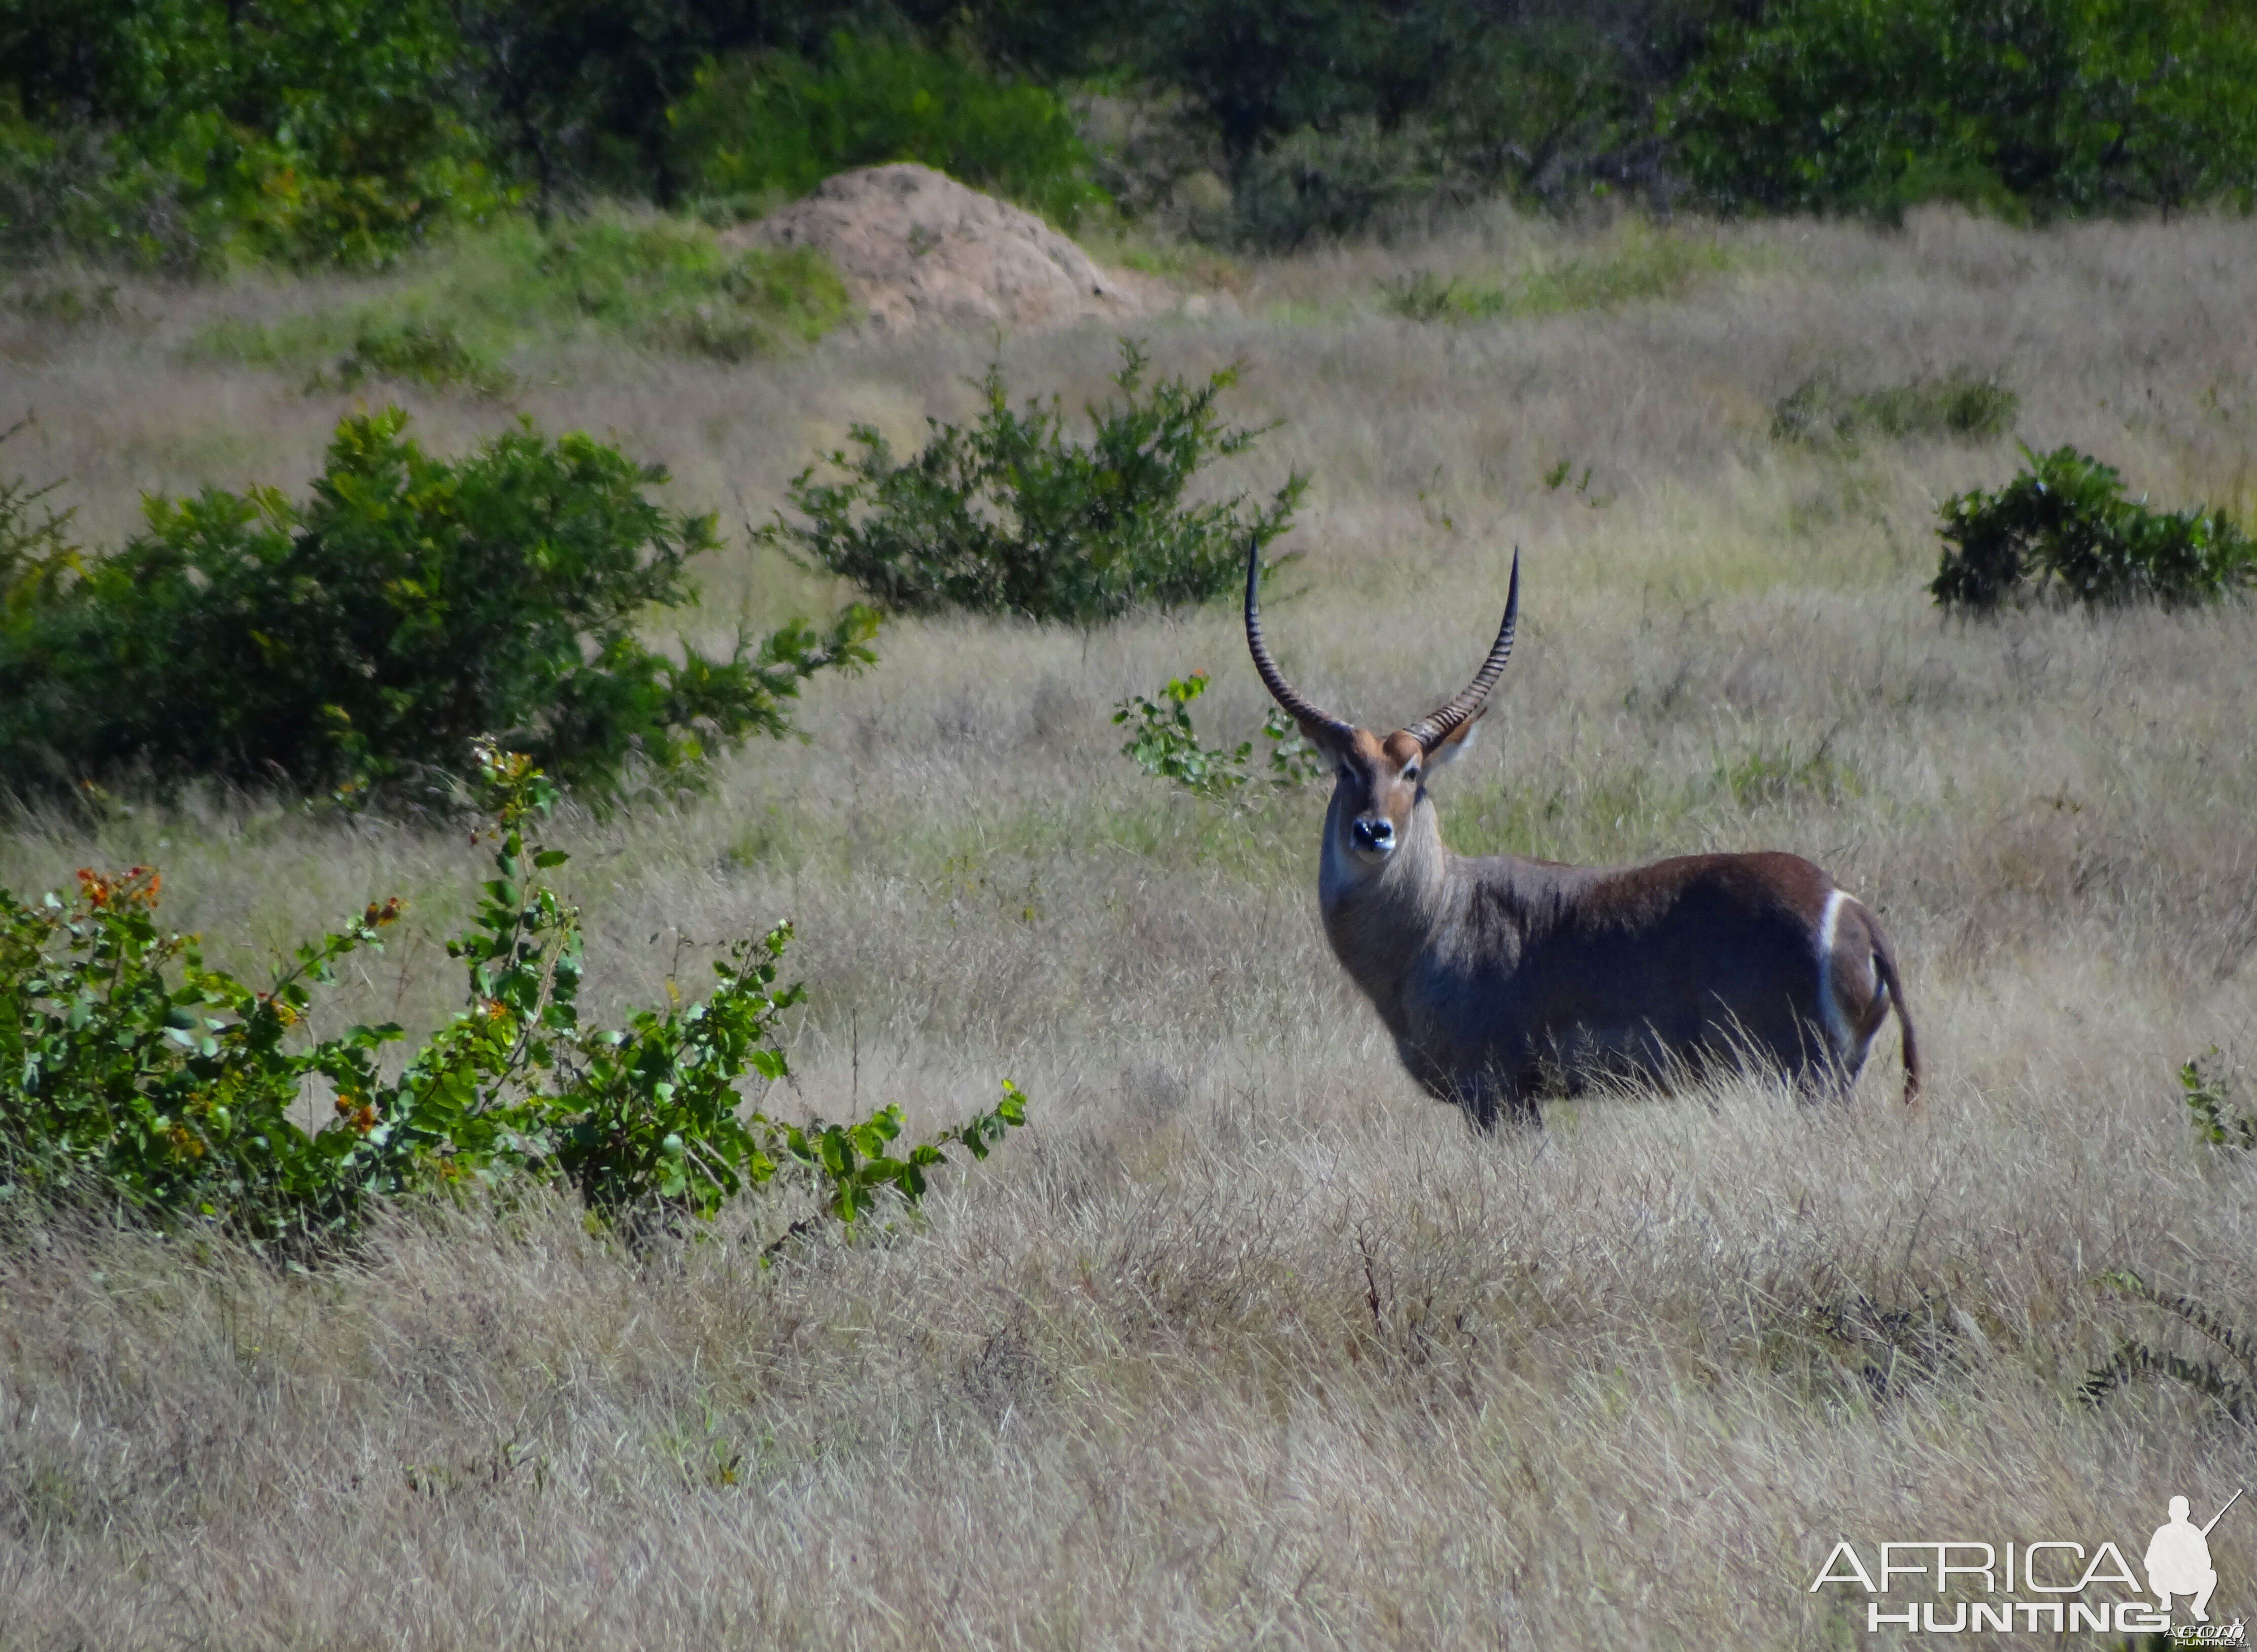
[(2046, 1585), (2178, 1559)]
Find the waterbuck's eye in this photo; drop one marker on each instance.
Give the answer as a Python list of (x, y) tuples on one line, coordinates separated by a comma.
[(1411, 775)]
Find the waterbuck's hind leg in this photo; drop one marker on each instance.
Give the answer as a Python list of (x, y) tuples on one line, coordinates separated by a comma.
[(1827, 1078)]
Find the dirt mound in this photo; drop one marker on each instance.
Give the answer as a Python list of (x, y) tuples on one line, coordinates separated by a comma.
[(918, 248)]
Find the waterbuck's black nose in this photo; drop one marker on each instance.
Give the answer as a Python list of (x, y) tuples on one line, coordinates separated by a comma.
[(1377, 835)]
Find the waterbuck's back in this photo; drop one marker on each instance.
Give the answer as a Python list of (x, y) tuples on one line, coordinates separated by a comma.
[(1558, 975)]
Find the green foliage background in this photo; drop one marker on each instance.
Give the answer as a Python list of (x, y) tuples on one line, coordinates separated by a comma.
[(763, 128), (183, 134), (2048, 107), (176, 133)]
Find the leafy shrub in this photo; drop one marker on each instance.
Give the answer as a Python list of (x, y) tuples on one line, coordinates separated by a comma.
[(774, 125), (176, 1095), (1821, 411), (2057, 105), (2064, 528), (659, 284), (370, 634), (1162, 743), (1012, 516), (36, 557), (2203, 1088)]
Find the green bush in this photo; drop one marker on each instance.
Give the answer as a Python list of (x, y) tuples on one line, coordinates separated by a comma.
[(37, 553), (1162, 743), (2055, 106), (370, 634), (772, 126), (2063, 529), (1822, 411), (131, 1072), (116, 1082), (1013, 517), (2203, 1085)]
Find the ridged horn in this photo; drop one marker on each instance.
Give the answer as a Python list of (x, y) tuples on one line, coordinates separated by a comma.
[(1432, 730), (1301, 710)]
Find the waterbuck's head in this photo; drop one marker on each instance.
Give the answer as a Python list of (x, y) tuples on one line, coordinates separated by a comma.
[(1379, 816)]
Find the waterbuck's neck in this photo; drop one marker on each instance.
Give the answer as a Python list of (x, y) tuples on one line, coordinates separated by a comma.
[(1381, 920)]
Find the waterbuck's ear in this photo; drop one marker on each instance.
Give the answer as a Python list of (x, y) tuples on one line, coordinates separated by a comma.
[(1455, 743)]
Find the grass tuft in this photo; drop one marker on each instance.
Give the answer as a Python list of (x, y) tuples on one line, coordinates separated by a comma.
[(509, 290), (1961, 406), (425, 353), (1643, 266)]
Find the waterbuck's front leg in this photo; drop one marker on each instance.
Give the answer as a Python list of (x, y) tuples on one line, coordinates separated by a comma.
[(1486, 1093)]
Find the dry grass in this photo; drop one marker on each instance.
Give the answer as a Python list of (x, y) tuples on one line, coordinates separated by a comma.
[(1243, 1342)]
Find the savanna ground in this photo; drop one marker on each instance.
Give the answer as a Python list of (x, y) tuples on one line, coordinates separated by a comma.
[(1243, 1341)]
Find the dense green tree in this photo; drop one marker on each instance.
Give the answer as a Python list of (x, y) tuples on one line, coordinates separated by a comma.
[(2062, 105), (775, 124), (313, 130), (584, 92), (176, 131)]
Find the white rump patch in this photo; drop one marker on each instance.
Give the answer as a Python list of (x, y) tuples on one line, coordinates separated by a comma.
[(1829, 1006)]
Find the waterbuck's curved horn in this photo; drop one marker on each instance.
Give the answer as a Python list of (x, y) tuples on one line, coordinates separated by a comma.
[(1300, 709), (1432, 730)]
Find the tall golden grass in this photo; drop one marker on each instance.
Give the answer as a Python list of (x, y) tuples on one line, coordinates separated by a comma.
[(1243, 1342)]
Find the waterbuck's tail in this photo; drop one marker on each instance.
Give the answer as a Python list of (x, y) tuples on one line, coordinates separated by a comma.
[(1884, 961)]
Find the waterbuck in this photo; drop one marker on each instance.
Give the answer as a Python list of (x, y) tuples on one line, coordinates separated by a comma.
[(1504, 980)]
